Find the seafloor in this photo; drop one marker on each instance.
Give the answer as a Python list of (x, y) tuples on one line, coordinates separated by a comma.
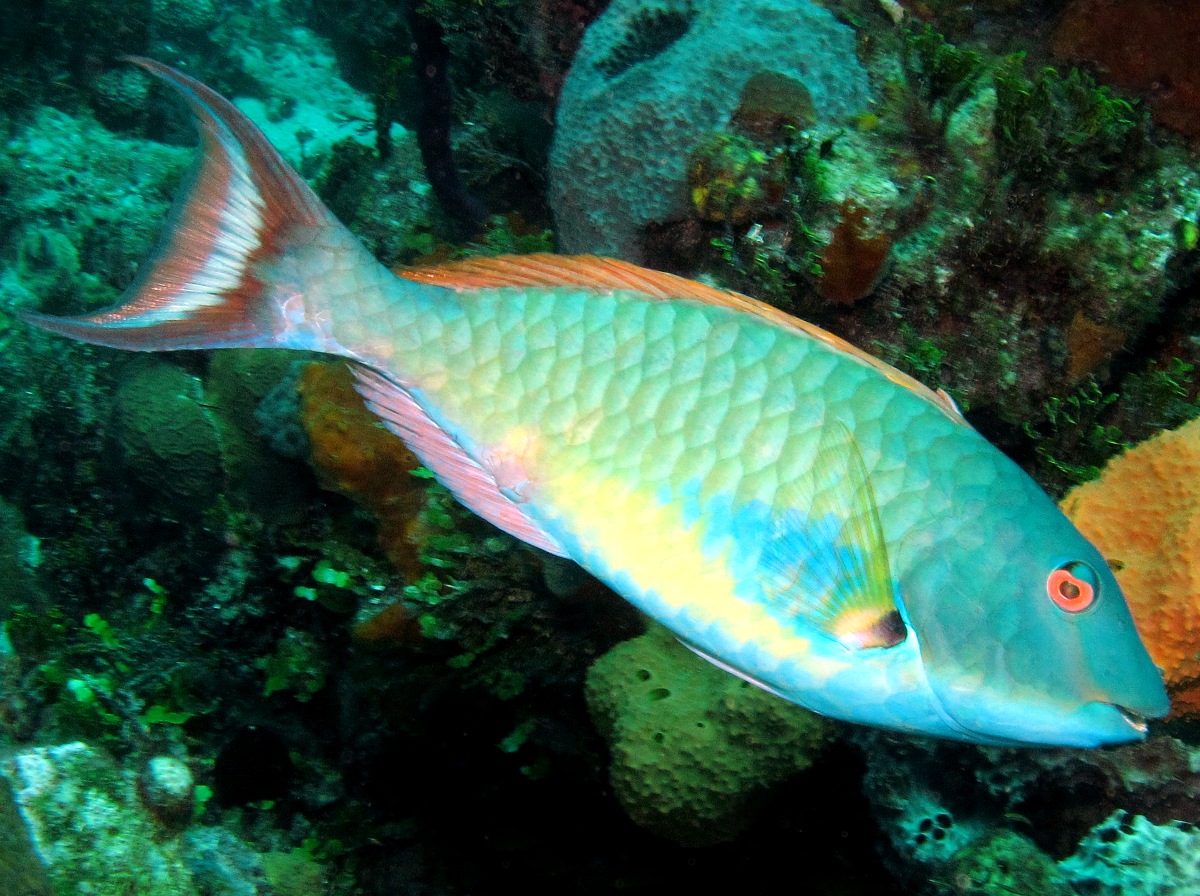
[(250, 649)]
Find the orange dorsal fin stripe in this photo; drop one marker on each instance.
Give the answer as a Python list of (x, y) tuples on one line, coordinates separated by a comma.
[(593, 272)]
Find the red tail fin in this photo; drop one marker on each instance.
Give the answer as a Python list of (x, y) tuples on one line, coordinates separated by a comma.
[(205, 286)]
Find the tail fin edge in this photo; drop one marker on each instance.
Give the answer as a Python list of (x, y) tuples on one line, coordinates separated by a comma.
[(203, 286)]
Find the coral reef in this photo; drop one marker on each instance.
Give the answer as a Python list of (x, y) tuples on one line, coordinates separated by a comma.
[(383, 692), (853, 261), (222, 865), (21, 871), (167, 440), (268, 482), (388, 205), (1050, 797), (920, 806), (694, 749), (184, 441), (89, 827), (1002, 862), (652, 79), (1143, 513), (84, 203), (20, 555), (168, 790)]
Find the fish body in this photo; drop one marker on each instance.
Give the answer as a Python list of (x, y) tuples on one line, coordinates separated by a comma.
[(794, 510)]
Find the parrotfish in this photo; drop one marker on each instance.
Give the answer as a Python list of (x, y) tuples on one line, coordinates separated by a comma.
[(796, 511)]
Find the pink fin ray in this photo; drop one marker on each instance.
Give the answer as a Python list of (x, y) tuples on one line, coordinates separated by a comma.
[(470, 483), (202, 287)]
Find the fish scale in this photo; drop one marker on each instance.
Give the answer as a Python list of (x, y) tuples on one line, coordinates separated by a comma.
[(717, 408), (796, 511)]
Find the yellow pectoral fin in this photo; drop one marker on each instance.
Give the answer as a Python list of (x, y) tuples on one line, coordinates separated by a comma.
[(826, 561)]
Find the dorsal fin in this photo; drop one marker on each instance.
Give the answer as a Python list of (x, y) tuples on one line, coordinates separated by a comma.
[(594, 272)]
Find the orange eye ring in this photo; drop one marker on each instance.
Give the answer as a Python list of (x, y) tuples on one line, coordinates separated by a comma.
[(1071, 592)]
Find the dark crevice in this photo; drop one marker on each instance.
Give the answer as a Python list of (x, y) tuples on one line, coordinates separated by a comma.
[(649, 35), (431, 60)]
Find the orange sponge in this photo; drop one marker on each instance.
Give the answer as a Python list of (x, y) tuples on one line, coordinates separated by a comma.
[(355, 455), (1143, 513)]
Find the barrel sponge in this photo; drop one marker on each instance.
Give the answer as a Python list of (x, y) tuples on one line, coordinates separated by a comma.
[(693, 748), (1143, 514), (654, 78)]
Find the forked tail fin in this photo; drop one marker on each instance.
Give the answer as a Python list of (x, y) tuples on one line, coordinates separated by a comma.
[(210, 281)]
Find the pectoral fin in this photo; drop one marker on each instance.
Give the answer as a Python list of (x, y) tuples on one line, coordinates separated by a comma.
[(826, 561)]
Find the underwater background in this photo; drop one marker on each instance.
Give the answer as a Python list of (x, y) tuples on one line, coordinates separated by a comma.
[(251, 648)]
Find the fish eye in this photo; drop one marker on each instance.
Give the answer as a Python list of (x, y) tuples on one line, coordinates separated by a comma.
[(1073, 586)]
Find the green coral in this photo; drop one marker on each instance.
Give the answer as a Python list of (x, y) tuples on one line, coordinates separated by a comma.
[(1002, 863), (693, 747), (168, 439)]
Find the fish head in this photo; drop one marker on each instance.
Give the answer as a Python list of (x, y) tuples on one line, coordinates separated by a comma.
[(1024, 635)]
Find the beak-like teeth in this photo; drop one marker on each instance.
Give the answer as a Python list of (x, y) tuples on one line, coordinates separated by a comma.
[(1135, 721)]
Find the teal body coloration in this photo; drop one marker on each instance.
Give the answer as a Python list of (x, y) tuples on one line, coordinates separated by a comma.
[(795, 511), (720, 414)]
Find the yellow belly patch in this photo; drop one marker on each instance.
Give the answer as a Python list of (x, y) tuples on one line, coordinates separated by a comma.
[(635, 534)]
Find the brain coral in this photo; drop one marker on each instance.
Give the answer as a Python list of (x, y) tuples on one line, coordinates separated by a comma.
[(692, 746), (167, 438), (1143, 513), (654, 78)]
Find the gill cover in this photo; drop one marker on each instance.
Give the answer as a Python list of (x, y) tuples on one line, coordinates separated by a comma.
[(1031, 641)]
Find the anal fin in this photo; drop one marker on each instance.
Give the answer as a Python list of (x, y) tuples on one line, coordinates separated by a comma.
[(731, 669), (469, 482)]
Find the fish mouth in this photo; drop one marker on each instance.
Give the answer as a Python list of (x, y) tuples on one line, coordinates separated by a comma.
[(1135, 721)]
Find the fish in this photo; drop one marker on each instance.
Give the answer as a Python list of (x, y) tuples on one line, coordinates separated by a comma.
[(793, 509)]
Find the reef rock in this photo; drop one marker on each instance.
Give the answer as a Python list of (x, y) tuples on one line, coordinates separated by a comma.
[(90, 829), (653, 79), (693, 747), (1002, 862), (21, 871)]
